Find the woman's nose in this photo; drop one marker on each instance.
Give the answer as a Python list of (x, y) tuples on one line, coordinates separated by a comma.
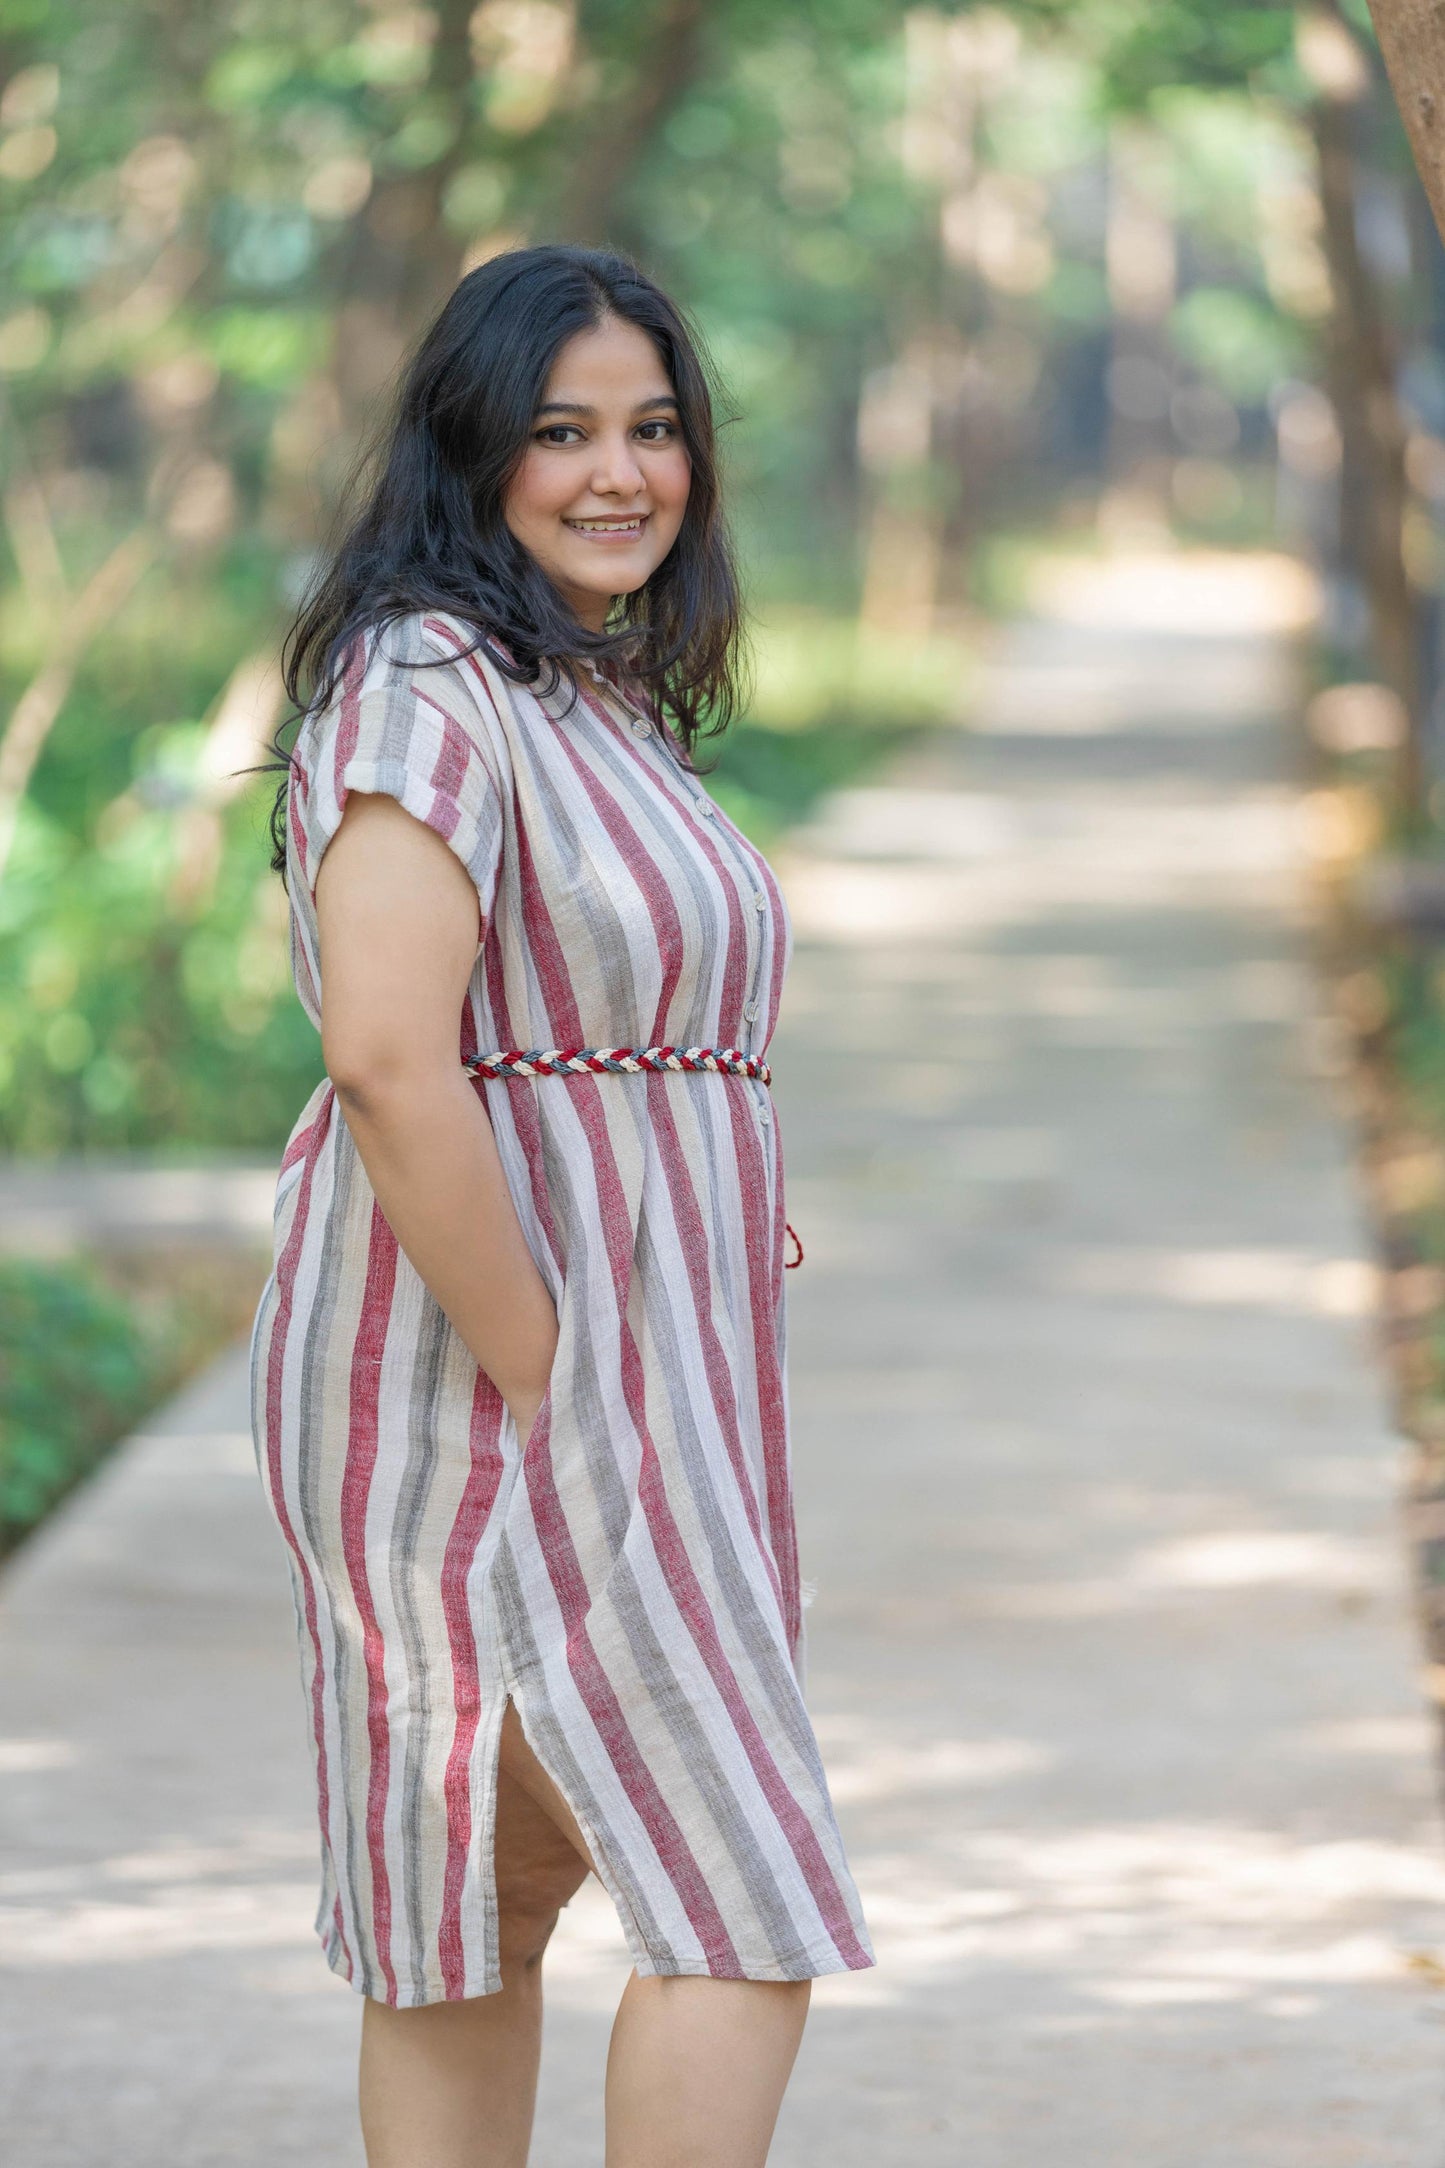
[(616, 467)]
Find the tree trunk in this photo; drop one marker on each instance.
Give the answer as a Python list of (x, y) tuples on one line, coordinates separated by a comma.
[(666, 63), (1414, 51), (1141, 251), (1372, 427), (401, 259)]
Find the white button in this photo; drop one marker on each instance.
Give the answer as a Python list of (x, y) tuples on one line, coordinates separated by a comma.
[(750, 1011), (704, 808), (640, 729), (760, 901), (763, 1114)]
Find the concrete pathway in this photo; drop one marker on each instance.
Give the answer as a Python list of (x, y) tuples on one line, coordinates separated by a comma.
[(1111, 1654), (135, 1201)]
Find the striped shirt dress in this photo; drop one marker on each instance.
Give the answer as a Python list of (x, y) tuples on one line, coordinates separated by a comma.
[(630, 1581)]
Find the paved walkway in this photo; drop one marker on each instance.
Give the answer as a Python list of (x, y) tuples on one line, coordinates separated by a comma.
[(1111, 1654), (134, 1201)]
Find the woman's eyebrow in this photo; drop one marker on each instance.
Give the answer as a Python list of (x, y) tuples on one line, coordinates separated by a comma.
[(572, 406)]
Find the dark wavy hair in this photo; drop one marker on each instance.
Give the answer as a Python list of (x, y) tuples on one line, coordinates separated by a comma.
[(421, 522)]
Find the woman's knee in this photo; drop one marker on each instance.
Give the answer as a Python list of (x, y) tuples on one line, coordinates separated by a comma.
[(537, 1870), (530, 1897)]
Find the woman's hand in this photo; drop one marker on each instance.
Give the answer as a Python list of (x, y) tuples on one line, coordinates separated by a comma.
[(398, 923)]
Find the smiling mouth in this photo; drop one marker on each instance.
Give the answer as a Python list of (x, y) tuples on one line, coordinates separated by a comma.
[(610, 530)]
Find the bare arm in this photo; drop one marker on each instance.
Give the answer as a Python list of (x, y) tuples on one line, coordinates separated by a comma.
[(397, 916)]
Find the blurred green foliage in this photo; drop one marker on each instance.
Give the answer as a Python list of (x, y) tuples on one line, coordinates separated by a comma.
[(78, 1365), (89, 1344), (221, 227)]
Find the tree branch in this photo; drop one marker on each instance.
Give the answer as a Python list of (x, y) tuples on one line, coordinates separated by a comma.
[(40, 703)]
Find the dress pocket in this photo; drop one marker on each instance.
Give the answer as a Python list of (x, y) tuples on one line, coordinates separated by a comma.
[(540, 1433)]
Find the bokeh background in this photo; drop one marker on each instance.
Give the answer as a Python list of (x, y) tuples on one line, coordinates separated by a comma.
[(982, 283)]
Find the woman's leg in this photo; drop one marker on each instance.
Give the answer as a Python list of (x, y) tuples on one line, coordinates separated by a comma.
[(697, 2069), (452, 2085)]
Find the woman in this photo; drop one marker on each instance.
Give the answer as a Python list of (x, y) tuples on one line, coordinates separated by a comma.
[(517, 1376)]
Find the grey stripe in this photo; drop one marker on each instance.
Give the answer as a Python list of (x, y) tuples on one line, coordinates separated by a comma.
[(555, 1750), (324, 1542), (416, 1481)]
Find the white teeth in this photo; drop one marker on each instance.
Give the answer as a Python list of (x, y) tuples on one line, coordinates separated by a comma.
[(605, 526)]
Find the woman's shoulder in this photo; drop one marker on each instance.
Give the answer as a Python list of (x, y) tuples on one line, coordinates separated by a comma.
[(399, 680), (416, 639), (432, 655)]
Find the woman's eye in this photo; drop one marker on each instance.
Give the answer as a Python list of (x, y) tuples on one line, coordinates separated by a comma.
[(563, 433)]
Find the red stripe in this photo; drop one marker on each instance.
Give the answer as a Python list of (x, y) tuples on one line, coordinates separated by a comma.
[(298, 1146), (361, 1451), (686, 1591), (455, 755), (674, 1854), (780, 943), (626, 838), (297, 827), (694, 1244), (286, 1267), (348, 727), (659, 898), (765, 1296), (540, 938), (522, 1107), (473, 1513)]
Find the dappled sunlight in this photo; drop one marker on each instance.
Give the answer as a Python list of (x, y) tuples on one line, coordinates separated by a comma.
[(924, 861), (1202, 592), (1286, 1281), (172, 1922), (1207, 1875), (862, 1768), (1262, 1558), (1056, 689), (1375, 1737), (1134, 1915), (864, 876), (165, 1900), (24, 1757)]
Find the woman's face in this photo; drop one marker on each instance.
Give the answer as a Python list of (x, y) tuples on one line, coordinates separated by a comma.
[(602, 488)]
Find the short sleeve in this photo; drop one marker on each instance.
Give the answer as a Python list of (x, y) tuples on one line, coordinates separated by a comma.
[(404, 723)]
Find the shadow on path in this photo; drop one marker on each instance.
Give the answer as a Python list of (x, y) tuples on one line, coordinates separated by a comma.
[(1111, 1654)]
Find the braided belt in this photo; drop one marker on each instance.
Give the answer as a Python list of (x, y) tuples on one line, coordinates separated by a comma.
[(626, 1061)]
